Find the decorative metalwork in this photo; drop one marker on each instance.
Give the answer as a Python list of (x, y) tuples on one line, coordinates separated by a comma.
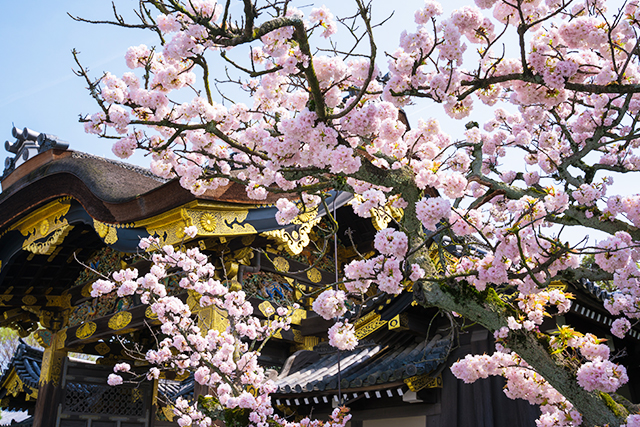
[(400, 322), (557, 284), (102, 348), (266, 308), (298, 315), (29, 299), (294, 241), (314, 275), (45, 223), (60, 339), (107, 232), (44, 337), (103, 399), (168, 412), (218, 220), (149, 314), (419, 382), (368, 324), (14, 385), (120, 320), (211, 219), (86, 330), (208, 222), (281, 264)]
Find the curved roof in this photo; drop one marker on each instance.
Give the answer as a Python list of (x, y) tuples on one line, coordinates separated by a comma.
[(19, 382), (110, 191), (369, 366)]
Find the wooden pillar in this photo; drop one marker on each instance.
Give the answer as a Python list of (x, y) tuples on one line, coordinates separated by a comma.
[(154, 404), (50, 385)]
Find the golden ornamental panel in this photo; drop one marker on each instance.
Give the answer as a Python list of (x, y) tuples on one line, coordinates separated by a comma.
[(60, 339), (46, 223), (168, 226), (368, 325), (29, 299), (108, 233), (168, 412), (208, 222), (220, 221), (281, 264), (86, 330), (314, 275), (120, 320), (296, 240), (266, 308), (419, 382), (102, 348), (400, 322), (298, 315), (149, 314)]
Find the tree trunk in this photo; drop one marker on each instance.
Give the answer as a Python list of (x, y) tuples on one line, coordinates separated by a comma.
[(490, 314)]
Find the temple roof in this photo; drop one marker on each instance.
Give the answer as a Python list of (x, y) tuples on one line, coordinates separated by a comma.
[(19, 382), (370, 366)]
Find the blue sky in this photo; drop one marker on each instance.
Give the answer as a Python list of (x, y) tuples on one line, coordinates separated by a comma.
[(38, 89)]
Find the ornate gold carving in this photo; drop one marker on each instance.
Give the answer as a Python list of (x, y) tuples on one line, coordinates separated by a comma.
[(102, 348), (381, 217), (62, 301), (297, 316), (4, 299), (86, 290), (169, 226), (120, 320), (107, 232), (149, 314), (368, 324), (60, 338), (47, 223), (44, 337), (215, 219), (399, 322), (437, 254), (29, 299), (86, 330), (44, 227), (298, 239), (14, 385), (281, 264), (266, 308), (49, 245), (208, 222), (212, 318), (52, 361), (557, 284), (419, 382), (314, 275), (168, 412), (210, 218)]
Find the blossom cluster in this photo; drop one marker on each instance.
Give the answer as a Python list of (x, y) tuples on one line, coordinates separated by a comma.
[(224, 360), (318, 122)]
